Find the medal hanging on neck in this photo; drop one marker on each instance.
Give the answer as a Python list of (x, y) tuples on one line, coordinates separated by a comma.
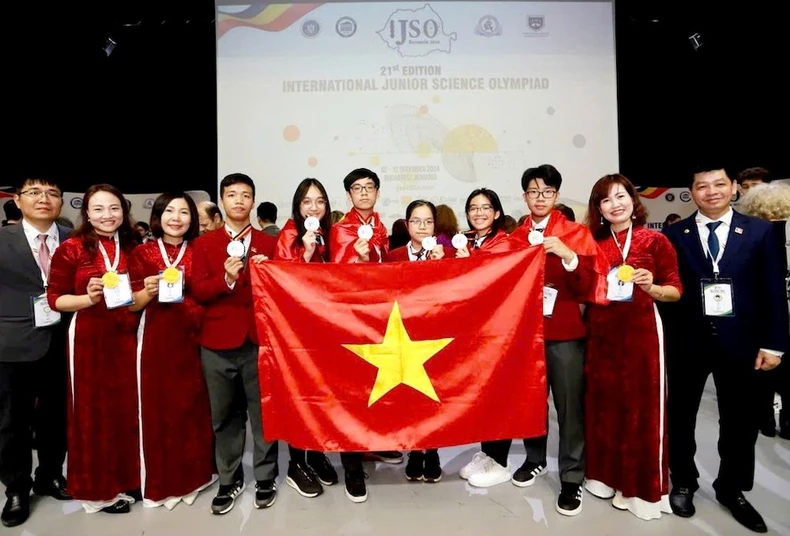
[(236, 247), (117, 288), (535, 236), (171, 286), (625, 272)]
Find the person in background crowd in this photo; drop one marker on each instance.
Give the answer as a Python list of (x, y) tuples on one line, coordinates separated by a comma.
[(510, 224), (446, 225), (400, 234), (772, 202), (670, 219), (750, 177), (732, 322), (567, 211), (267, 218), (33, 374), (65, 222), (337, 215), (143, 231), (210, 216), (12, 213)]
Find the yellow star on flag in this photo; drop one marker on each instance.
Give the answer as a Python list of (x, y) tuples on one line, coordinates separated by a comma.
[(399, 359)]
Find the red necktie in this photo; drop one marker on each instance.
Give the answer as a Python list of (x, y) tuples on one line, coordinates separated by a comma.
[(43, 254)]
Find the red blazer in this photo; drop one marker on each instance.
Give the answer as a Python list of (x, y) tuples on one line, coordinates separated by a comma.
[(402, 254), (229, 318)]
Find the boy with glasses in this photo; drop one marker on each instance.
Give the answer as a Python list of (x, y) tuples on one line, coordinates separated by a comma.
[(361, 237)]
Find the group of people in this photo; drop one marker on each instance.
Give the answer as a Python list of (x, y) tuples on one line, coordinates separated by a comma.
[(141, 361)]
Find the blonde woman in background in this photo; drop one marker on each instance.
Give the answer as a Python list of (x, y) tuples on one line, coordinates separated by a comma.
[(771, 201)]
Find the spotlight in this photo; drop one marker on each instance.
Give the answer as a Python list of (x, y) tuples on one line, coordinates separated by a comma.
[(696, 41), (109, 46)]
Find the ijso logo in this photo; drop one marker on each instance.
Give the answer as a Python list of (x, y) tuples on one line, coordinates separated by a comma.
[(416, 32)]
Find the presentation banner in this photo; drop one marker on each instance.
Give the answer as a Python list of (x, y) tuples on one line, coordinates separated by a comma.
[(438, 98)]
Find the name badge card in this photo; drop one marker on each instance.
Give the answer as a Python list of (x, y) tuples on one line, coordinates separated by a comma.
[(171, 286), (43, 315), (120, 294), (717, 297), (617, 289), (549, 299)]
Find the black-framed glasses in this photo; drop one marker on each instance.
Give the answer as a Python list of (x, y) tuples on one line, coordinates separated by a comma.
[(369, 188), (546, 194)]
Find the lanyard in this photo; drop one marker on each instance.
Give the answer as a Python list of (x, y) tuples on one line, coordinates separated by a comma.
[(627, 246), (166, 258), (114, 266), (420, 255), (241, 234), (713, 261)]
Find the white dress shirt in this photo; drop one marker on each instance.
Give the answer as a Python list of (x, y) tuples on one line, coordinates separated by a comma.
[(571, 266), (53, 241), (722, 233)]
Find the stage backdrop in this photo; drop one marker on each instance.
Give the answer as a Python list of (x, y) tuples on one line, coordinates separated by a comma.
[(439, 98)]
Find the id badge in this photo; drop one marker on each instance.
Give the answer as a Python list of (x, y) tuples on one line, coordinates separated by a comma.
[(43, 315), (172, 292), (618, 291), (717, 297), (549, 299), (120, 295)]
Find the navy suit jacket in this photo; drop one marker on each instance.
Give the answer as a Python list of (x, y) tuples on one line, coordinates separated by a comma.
[(753, 262)]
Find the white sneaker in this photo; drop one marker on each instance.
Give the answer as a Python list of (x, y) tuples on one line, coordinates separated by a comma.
[(491, 475), (475, 466)]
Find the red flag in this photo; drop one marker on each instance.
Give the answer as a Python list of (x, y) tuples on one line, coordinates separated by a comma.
[(404, 355), (577, 237)]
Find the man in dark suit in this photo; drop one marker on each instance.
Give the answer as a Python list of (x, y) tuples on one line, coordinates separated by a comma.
[(731, 322), (32, 354), (229, 344)]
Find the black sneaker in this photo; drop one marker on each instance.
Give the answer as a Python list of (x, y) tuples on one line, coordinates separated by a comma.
[(303, 480), (356, 490), (414, 468), (322, 467), (526, 474), (226, 497), (265, 493), (569, 501), (433, 469), (386, 456)]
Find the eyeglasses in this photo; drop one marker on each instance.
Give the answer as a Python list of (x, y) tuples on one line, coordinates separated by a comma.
[(419, 223), (369, 188), (546, 194), (38, 194), (474, 209)]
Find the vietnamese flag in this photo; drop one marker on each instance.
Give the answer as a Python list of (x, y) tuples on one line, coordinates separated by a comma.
[(412, 355)]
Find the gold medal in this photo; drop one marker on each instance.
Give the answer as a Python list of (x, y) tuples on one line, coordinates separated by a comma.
[(625, 273), (110, 279), (171, 275)]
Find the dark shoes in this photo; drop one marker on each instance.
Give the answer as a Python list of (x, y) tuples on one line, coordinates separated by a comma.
[(118, 507), (425, 466), (265, 493), (385, 456), (225, 499), (301, 478), (16, 509), (743, 512), (322, 467), (682, 502), (569, 501), (55, 488)]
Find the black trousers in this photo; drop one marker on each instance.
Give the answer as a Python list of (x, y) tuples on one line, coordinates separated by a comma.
[(736, 383), (33, 398)]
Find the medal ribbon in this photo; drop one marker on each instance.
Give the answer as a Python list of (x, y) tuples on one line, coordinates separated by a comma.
[(114, 266), (241, 234), (627, 246), (166, 258)]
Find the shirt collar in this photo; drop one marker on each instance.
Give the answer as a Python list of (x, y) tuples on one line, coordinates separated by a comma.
[(701, 219), (31, 232), (542, 225)]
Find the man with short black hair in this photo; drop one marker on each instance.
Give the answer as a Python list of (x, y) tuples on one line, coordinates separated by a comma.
[(267, 218)]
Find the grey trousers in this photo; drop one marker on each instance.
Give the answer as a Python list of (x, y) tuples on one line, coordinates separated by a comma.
[(565, 371), (234, 391)]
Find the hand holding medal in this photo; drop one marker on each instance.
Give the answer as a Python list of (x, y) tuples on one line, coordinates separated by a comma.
[(642, 278), (151, 284)]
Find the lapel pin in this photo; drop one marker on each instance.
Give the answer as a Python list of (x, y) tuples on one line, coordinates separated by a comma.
[(738, 230), (686, 231)]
